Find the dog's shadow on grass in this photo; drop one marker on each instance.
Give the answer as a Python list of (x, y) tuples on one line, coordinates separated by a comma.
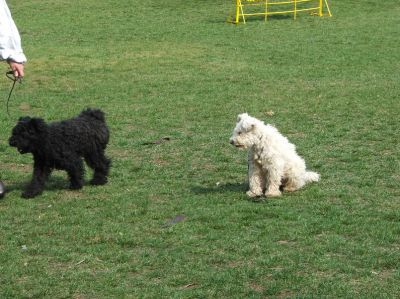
[(239, 188), (53, 183), (221, 188)]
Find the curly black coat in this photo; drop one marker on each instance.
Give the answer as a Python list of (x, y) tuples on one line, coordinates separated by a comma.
[(61, 145)]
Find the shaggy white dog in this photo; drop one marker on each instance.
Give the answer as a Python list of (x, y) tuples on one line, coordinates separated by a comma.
[(273, 160)]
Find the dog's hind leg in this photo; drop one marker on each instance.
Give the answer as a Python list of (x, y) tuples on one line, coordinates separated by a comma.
[(298, 180), (100, 164), (275, 174), (294, 180), (293, 184), (39, 177)]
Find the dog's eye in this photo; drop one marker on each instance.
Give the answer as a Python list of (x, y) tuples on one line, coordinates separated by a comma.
[(239, 133)]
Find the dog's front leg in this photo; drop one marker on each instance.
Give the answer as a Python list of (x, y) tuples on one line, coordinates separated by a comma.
[(275, 171), (39, 177), (256, 177)]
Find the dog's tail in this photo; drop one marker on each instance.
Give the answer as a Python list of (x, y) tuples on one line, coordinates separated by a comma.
[(94, 113), (311, 176)]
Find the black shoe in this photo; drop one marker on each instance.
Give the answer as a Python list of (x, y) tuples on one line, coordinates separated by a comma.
[(2, 190)]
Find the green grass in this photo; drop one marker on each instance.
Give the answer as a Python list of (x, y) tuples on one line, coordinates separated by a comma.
[(176, 68)]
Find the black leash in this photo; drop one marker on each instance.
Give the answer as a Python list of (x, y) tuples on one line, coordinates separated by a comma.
[(10, 75)]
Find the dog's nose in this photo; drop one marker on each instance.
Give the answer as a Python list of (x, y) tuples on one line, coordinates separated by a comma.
[(231, 142), (11, 142)]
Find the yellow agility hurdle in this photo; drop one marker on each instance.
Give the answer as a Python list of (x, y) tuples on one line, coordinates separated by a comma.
[(274, 7)]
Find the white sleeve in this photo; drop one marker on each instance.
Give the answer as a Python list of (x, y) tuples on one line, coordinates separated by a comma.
[(10, 41)]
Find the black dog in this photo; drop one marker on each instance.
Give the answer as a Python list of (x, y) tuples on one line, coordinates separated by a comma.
[(61, 145)]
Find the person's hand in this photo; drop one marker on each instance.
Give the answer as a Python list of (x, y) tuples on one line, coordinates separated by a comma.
[(17, 68)]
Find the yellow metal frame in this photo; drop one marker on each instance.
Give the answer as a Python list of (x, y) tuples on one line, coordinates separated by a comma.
[(265, 5)]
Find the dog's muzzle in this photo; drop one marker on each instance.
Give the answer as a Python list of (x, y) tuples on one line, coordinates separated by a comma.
[(13, 143), (236, 144), (22, 151)]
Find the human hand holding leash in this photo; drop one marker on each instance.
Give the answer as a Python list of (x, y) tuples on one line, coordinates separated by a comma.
[(11, 75), (17, 69)]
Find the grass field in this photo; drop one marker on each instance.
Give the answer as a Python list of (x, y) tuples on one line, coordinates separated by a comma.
[(174, 220)]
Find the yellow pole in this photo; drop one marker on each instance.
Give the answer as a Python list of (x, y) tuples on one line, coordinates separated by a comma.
[(237, 12), (295, 9), (327, 7), (320, 8), (266, 10)]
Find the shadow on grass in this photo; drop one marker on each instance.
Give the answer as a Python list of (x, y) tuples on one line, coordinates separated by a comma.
[(52, 184), (221, 188), (240, 188)]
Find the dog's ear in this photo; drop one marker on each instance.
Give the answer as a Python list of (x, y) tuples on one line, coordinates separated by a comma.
[(250, 124), (38, 124), (241, 116), (24, 119)]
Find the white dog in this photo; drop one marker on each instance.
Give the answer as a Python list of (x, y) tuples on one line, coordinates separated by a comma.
[(273, 160)]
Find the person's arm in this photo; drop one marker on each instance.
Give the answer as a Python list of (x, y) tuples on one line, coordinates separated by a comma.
[(10, 42)]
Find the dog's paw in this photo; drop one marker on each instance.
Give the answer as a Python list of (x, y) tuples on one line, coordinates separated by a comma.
[(273, 193), (99, 181), (75, 186), (28, 195), (289, 189), (252, 194)]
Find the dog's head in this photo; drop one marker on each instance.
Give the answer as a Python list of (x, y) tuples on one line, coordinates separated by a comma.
[(245, 133), (28, 134)]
